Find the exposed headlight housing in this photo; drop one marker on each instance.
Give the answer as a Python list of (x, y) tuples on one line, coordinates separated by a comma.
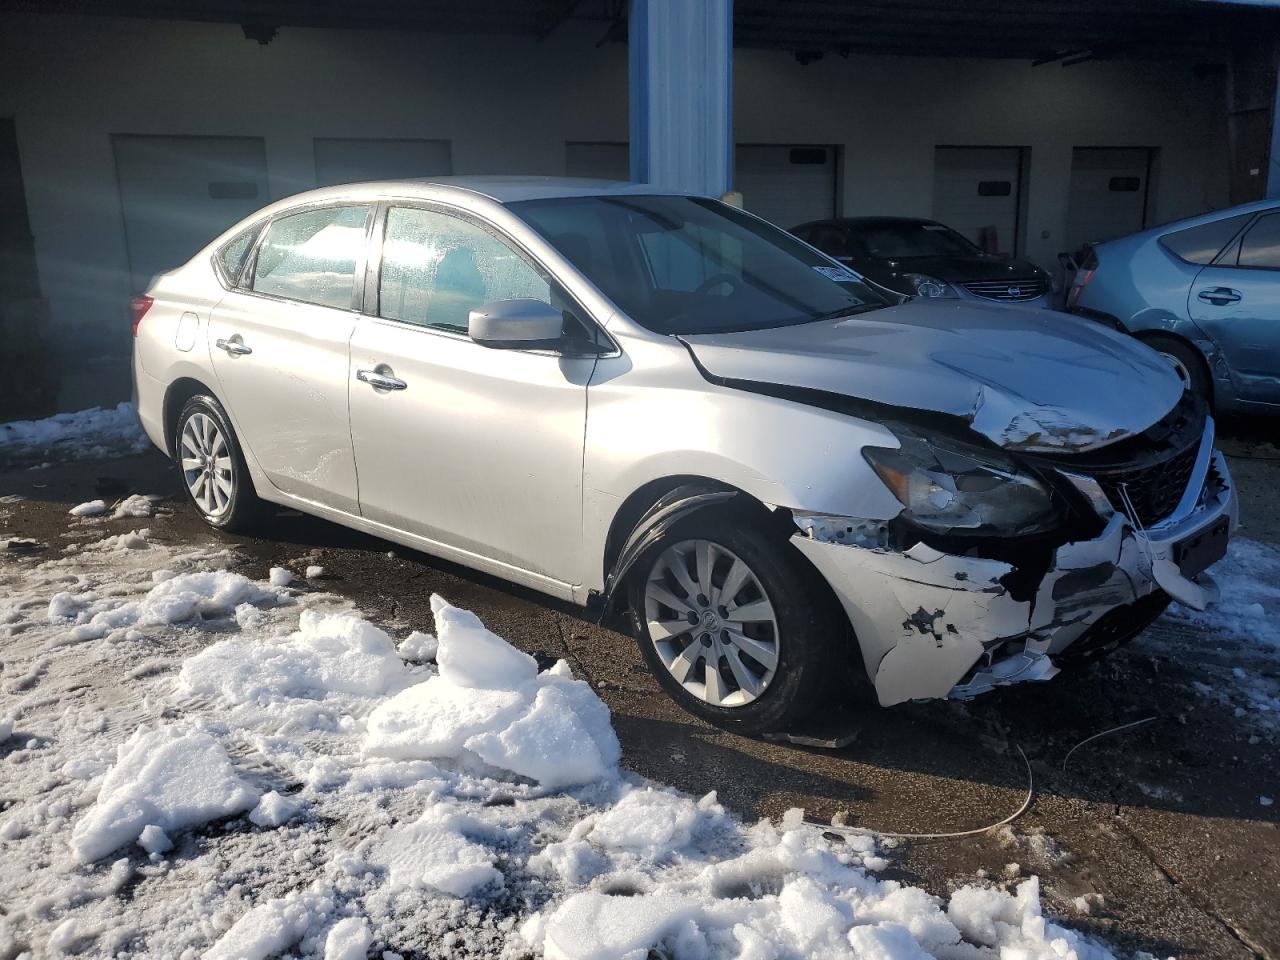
[(949, 487), (929, 288)]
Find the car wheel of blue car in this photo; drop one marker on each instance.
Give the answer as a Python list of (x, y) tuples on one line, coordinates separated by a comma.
[(1187, 363)]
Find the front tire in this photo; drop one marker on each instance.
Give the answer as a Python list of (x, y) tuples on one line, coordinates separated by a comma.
[(735, 626), (213, 469)]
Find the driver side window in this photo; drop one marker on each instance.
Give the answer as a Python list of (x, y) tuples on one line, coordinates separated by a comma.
[(437, 268)]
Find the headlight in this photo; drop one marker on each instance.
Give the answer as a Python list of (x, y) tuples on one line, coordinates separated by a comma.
[(927, 287), (953, 488)]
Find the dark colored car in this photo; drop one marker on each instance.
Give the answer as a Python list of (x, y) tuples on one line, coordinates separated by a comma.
[(923, 258)]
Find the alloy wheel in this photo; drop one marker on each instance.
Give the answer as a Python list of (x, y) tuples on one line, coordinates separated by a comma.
[(206, 464), (711, 622)]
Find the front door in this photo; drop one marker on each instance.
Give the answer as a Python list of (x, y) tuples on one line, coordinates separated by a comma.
[(1236, 301), (280, 347), (475, 448)]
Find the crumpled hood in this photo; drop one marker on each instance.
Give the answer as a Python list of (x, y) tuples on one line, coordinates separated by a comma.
[(1030, 380)]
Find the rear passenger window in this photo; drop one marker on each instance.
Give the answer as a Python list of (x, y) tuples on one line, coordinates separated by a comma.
[(232, 255), (437, 268), (1260, 247), (312, 256), (1201, 244)]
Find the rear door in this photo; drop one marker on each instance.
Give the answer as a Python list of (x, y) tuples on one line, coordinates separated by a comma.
[(280, 344), (1236, 300), (477, 449)]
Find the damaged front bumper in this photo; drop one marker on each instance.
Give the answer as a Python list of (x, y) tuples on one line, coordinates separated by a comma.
[(932, 624)]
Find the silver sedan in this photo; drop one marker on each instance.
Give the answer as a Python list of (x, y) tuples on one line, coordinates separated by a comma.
[(670, 412)]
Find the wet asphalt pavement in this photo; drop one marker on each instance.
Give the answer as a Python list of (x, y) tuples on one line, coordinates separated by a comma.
[(1153, 837)]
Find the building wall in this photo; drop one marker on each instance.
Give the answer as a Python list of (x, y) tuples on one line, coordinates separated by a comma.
[(509, 105), (891, 112)]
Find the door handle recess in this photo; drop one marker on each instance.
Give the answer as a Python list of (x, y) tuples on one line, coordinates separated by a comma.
[(233, 347), (1220, 296), (379, 380)]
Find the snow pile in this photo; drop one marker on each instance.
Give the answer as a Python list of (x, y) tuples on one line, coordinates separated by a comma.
[(418, 646), (299, 786), (137, 505), (1249, 607), (93, 508), (328, 653), (442, 850), (168, 778), (488, 702), (789, 895), (95, 432), (1245, 626), (175, 598)]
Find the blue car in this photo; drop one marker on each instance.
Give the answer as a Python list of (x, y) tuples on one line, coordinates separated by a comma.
[(1205, 293)]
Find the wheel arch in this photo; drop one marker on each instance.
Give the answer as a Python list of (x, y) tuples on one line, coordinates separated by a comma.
[(653, 508), (1152, 339), (176, 396)]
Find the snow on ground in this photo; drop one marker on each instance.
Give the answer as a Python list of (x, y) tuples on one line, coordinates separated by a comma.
[(96, 432), (1245, 629), (205, 765)]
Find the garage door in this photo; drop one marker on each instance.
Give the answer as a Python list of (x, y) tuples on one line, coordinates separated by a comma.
[(977, 191), (599, 161), (350, 160), (786, 184), (1109, 190), (178, 193)]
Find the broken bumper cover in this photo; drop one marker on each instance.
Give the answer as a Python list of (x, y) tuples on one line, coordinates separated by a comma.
[(932, 624)]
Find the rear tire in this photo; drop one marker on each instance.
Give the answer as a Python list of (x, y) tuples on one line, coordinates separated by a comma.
[(1187, 362), (776, 664), (213, 469)]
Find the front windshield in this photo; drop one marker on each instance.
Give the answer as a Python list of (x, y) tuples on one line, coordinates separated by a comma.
[(904, 239), (690, 265)]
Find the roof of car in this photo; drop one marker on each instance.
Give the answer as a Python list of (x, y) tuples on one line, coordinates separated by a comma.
[(503, 189)]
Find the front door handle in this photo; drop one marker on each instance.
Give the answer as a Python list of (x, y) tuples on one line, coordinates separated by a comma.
[(235, 347), (1220, 296), (380, 380)]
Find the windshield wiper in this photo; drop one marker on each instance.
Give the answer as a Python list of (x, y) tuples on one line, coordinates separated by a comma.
[(849, 311)]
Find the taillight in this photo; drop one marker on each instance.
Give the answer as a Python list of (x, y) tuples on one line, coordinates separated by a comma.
[(1088, 268), (140, 306)]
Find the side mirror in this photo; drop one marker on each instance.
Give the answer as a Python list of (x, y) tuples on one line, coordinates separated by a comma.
[(516, 325)]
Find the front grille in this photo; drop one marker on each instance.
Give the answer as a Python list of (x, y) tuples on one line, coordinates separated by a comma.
[(1154, 468), (1008, 291), (1155, 490)]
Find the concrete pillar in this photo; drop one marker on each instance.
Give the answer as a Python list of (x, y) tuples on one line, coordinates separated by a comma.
[(1253, 93), (681, 94)]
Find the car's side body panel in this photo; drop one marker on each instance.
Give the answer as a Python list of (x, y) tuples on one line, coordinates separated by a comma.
[(290, 392), (481, 449), (653, 416), (517, 462), (1149, 291)]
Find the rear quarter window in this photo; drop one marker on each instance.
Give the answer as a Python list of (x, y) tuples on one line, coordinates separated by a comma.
[(1203, 243), (231, 255)]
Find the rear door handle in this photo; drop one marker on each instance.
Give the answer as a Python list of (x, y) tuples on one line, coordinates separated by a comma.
[(1219, 296), (234, 347), (380, 380)]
